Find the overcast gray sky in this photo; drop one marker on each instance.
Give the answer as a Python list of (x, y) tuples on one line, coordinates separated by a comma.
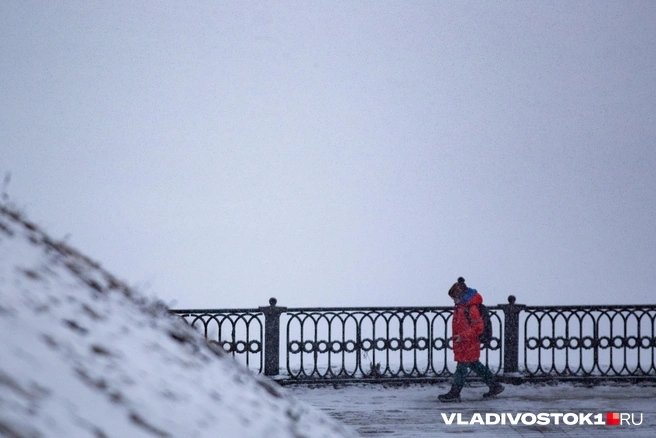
[(340, 153)]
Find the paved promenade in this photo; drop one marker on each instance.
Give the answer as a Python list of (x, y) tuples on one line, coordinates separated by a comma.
[(414, 411)]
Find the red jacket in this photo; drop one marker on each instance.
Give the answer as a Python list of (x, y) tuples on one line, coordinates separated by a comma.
[(468, 349)]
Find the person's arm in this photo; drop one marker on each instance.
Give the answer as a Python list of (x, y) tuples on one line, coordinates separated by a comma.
[(475, 326)]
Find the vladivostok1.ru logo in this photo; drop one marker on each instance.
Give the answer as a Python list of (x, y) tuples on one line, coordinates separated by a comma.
[(623, 418), (545, 418)]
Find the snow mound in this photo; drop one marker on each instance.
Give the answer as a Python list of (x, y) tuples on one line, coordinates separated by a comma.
[(82, 354)]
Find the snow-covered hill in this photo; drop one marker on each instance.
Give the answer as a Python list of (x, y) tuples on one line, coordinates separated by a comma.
[(81, 354)]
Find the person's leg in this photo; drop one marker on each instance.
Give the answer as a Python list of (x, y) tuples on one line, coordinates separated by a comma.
[(458, 382), (460, 376), (489, 379), (482, 371)]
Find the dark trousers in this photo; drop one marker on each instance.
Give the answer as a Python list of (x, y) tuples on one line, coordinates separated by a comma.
[(463, 368)]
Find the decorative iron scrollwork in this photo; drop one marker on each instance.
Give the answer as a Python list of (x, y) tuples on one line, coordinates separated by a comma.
[(395, 342), (237, 331), (589, 341)]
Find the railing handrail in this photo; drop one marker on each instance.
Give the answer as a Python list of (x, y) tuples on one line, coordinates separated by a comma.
[(204, 311), (594, 306), (370, 309)]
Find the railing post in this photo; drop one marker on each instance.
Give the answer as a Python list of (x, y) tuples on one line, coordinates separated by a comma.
[(511, 313), (272, 337)]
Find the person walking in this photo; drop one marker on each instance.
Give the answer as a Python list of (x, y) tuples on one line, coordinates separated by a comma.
[(467, 325)]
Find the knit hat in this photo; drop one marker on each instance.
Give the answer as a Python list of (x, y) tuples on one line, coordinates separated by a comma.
[(457, 287)]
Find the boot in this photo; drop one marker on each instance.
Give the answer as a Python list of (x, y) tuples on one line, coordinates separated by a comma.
[(452, 396), (496, 388)]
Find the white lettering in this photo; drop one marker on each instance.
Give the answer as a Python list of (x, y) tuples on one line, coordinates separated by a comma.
[(584, 419), (543, 419), (570, 419), (556, 417), (514, 421), (452, 417), (527, 421), (488, 419), (476, 419)]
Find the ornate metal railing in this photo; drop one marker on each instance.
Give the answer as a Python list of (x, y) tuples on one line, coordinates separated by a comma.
[(396, 343), (589, 341), (239, 332)]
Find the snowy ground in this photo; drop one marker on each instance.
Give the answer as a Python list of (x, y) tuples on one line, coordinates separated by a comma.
[(414, 411), (83, 355)]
